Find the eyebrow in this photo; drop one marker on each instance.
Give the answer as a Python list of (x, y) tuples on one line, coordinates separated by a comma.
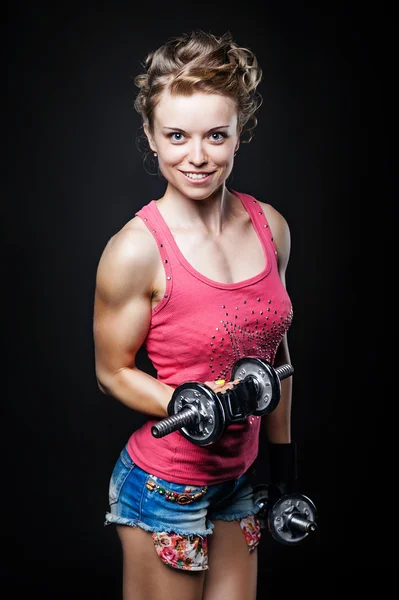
[(182, 130)]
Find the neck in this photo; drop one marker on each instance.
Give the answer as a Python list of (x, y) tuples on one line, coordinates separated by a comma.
[(210, 214)]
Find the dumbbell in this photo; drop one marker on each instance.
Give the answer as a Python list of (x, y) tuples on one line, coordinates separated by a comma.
[(202, 415), (291, 518)]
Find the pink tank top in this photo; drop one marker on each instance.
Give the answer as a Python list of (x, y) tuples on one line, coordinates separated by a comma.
[(197, 332)]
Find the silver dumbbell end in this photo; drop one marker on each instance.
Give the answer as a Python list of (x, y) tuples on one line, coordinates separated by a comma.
[(268, 379), (187, 416), (292, 518), (284, 371)]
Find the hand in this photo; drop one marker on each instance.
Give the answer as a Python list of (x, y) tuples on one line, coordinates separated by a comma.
[(220, 385)]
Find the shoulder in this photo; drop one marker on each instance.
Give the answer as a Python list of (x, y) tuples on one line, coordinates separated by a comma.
[(132, 244), (280, 232), (128, 261), (277, 222)]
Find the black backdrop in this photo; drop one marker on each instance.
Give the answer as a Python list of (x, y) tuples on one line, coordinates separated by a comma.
[(75, 177)]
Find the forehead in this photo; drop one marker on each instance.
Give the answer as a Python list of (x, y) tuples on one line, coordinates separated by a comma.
[(186, 112)]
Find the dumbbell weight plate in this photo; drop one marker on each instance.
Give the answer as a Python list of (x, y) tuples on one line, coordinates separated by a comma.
[(269, 382), (211, 425), (288, 506)]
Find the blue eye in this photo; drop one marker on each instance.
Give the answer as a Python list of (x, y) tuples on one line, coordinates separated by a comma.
[(176, 136), (218, 136), (215, 136)]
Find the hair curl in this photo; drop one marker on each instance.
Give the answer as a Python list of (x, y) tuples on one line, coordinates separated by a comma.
[(201, 62)]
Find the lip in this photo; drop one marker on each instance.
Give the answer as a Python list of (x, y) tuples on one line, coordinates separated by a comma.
[(197, 181)]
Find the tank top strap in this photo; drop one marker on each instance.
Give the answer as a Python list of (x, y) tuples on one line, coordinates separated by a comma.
[(149, 216), (259, 219)]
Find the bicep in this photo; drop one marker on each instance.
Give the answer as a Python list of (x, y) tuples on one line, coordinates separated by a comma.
[(122, 307), (119, 332)]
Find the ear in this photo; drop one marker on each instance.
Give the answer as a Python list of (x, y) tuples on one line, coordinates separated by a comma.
[(149, 137)]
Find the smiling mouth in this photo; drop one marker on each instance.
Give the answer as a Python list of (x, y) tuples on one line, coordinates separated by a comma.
[(196, 176)]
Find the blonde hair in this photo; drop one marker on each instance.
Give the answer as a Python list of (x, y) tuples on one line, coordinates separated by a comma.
[(201, 62)]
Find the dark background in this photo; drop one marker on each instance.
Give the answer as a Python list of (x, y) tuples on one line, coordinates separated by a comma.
[(74, 176)]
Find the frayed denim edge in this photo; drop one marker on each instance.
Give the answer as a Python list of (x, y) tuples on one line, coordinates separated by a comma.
[(111, 519), (236, 516)]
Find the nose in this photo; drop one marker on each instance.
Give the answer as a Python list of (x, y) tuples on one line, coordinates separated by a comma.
[(197, 155)]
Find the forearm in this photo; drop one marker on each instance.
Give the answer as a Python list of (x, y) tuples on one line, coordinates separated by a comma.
[(278, 423), (138, 390)]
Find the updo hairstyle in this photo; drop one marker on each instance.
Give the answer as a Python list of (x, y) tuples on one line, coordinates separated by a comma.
[(201, 62)]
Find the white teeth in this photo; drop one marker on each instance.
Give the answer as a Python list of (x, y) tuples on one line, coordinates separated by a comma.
[(196, 175)]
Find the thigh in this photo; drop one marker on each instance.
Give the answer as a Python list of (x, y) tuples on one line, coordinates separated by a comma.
[(146, 577), (163, 530), (233, 570)]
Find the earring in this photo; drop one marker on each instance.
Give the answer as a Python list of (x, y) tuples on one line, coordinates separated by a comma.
[(155, 154)]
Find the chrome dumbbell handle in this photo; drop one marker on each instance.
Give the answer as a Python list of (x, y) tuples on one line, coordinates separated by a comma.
[(187, 416), (301, 524), (284, 371), (201, 415)]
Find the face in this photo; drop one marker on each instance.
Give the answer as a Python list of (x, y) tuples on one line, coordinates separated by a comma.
[(195, 138)]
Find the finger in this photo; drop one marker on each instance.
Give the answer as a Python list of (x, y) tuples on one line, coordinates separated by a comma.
[(220, 385), (213, 385)]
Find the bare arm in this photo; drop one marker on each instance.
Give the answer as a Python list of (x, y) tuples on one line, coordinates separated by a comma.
[(122, 314), (278, 422)]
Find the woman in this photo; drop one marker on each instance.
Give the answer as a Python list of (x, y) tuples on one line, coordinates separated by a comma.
[(197, 277)]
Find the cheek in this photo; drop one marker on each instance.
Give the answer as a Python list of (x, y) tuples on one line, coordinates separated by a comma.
[(222, 154), (170, 154)]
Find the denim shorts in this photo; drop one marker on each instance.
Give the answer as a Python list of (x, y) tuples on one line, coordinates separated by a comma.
[(180, 516)]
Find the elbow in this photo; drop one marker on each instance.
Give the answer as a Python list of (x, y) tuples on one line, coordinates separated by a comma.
[(102, 384), (110, 384), (102, 388)]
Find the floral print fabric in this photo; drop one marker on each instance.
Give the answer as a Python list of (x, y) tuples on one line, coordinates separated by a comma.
[(188, 552), (251, 529)]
